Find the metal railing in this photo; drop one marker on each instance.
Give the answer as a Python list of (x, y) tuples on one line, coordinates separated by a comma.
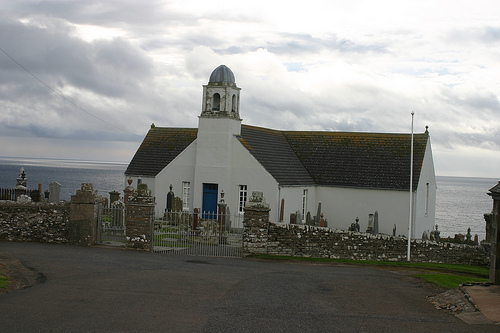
[(12, 194), (203, 234), (111, 222)]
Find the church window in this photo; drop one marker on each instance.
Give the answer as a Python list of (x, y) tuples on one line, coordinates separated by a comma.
[(185, 195), (304, 205), (243, 194), (216, 105), (233, 104)]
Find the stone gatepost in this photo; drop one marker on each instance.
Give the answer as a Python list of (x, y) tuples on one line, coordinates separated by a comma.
[(256, 225), (140, 219), (83, 216), (495, 235)]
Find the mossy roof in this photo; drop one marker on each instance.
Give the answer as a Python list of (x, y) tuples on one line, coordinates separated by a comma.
[(345, 159)]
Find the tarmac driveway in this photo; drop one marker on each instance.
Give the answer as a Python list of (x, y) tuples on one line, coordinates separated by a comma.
[(113, 290)]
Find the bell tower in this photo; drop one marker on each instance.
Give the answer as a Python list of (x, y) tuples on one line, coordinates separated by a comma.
[(221, 96), (218, 124)]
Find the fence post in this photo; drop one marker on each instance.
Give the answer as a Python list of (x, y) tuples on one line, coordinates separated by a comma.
[(139, 210), (495, 236), (256, 225), (83, 216)]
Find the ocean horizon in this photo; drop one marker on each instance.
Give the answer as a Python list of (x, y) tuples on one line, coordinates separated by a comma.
[(461, 201)]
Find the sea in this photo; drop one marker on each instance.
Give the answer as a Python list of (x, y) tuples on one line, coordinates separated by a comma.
[(460, 204)]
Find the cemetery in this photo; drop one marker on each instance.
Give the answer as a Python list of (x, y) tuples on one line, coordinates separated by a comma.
[(90, 219)]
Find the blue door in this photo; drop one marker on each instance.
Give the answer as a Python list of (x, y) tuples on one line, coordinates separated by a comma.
[(209, 206)]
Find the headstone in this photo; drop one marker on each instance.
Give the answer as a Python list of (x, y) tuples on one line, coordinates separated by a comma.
[(394, 230), (282, 209), (298, 217), (318, 215), (322, 221), (21, 179), (228, 219), (435, 234), (371, 221), (425, 235), (468, 237), (170, 198), (55, 192), (114, 196), (292, 218), (309, 220)]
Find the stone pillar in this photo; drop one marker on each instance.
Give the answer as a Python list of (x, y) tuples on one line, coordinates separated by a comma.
[(140, 219), (256, 225), (83, 216), (495, 236)]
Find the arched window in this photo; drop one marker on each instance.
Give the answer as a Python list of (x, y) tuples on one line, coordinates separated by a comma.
[(216, 105), (233, 104)]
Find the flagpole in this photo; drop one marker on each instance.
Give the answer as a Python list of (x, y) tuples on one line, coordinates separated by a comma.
[(411, 190)]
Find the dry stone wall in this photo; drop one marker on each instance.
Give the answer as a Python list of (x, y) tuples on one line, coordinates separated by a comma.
[(318, 242), (34, 222)]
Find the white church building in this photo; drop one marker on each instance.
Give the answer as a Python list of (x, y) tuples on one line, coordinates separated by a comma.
[(352, 174)]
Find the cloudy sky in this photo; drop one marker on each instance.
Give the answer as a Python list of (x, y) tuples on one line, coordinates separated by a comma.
[(85, 79)]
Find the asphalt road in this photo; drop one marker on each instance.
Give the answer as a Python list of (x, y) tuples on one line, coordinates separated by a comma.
[(114, 290)]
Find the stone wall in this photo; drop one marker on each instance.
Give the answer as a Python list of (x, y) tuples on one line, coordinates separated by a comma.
[(318, 242), (34, 222)]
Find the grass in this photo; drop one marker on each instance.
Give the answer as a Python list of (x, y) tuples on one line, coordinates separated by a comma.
[(446, 275), (448, 280), (477, 271), (4, 281)]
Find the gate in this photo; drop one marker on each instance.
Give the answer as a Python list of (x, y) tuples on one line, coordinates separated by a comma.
[(203, 234), (111, 224)]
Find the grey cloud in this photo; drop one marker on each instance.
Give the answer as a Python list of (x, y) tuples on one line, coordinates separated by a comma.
[(111, 68), (288, 43), (485, 34)]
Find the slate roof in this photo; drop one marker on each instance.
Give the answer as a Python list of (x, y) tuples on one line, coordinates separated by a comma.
[(160, 146), (272, 150), (357, 159), (345, 159)]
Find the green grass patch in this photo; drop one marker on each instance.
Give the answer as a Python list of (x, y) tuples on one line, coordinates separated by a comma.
[(4, 281), (448, 280), (476, 271)]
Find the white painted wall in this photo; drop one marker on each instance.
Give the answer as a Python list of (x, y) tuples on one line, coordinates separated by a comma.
[(248, 171), (341, 206), (179, 170), (425, 200)]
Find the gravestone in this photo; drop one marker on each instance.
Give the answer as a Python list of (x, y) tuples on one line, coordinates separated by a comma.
[(298, 217), (54, 192), (170, 199), (375, 223), (371, 222), (318, 215), (114, 196), (21, 179), (309, 220)]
